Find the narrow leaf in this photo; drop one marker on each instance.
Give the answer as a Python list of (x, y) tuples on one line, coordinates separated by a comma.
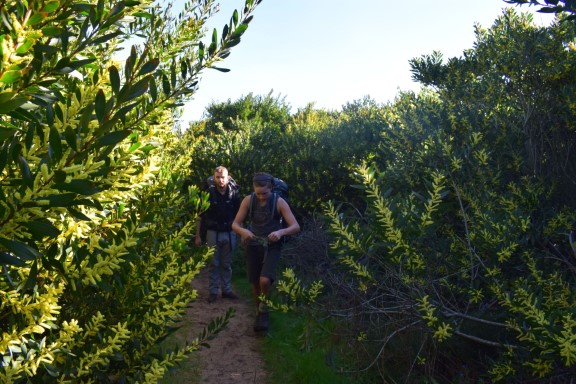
[(7, 258), (61, 200), (183, 69), (114, 79), (41, 229), (153, 89), (105, 38), (79, 186), (77, 214), (23, 251), (10, 77), (100, 105), (70, 137), (165, 84), (221, 69), (55, 143), (136, 90), (26, 173), (32, 276), (173, 77), (6, 133), (149, 67), (113, 138), (50, 6)]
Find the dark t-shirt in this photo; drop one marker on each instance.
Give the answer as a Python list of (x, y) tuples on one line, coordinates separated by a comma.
[(264, 221)]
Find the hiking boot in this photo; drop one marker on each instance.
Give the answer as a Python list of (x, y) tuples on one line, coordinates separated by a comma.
[(213, 297), (262, 322), (230, 295)]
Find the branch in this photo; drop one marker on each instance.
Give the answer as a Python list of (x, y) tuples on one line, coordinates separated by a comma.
[(450, 313), (484, 341)]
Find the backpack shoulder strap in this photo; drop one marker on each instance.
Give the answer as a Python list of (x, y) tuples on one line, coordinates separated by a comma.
[(274, 208), (251, 209)]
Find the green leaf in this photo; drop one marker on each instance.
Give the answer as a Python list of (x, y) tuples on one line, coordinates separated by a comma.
[(61, 200), (173, 77), (42, 228), (212, 49), (86, 117), (60, 176), (113, 138), (134, 147), (6, 96), (239, 31), (77, 214), (70, 137), (122, 112), (3, 158), (165, 84), (79, 186), (200, 51), (130, 62), (114, 79), (105, 38), (10, 77), (26, 173), (25, 46), (100, 105), (221, 69), (153, 89), (183, 69), (67, 66), (55, 144), (32, 276), (23, 251), (35, 19), (51, 31), (214, 36), (136, 90), (6, 133), (6, 258), (233, 42), (51, 6), (43, 99), (149, 67)]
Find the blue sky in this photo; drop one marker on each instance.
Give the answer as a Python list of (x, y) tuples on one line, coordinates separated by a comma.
[(331, 52)]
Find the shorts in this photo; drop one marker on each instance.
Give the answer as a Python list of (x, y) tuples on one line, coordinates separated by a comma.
[(262, 261)]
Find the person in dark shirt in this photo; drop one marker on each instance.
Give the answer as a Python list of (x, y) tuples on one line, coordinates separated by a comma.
[(262, 238), (224, 204)]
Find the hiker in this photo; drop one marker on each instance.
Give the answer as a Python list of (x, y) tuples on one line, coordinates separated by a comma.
[(261, 240), (224, 203)]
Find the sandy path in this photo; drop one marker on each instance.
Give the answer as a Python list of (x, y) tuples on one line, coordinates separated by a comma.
[(234, 354)]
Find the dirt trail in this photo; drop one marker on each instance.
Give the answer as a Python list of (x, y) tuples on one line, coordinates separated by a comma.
[(234, 355)]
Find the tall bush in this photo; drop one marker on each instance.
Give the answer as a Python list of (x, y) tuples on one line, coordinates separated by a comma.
[(461, 266), (93, 234)]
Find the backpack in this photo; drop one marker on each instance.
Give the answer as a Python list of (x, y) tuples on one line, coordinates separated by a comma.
[(207, 221)]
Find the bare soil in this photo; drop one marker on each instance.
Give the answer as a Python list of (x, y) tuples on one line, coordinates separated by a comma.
[(234, 354)]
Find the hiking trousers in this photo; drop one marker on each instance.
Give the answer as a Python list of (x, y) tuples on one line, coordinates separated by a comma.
[(220, 274)]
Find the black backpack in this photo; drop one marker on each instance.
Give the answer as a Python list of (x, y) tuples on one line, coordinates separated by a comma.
[(210, 187)]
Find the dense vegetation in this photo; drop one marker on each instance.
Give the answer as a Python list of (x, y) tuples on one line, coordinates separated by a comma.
[(441, 224), (449, 213), (93, 234)]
